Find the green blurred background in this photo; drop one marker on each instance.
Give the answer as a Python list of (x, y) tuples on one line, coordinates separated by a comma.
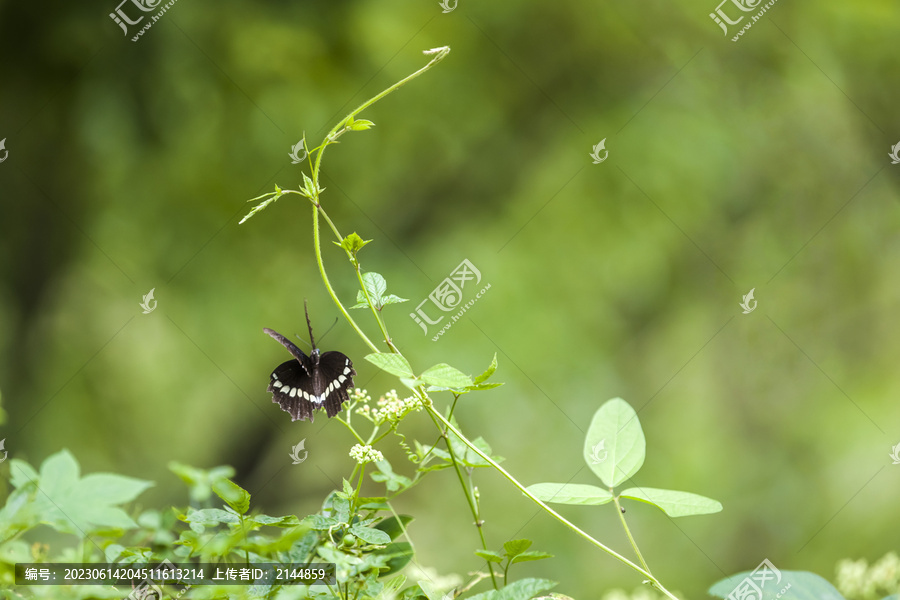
[(757, 164)]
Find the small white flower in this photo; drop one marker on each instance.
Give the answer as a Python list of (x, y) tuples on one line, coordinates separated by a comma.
[(363, 454), (360, 395)]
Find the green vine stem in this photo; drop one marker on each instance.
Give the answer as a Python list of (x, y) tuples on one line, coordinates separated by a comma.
[(621, 512), (470, 496)]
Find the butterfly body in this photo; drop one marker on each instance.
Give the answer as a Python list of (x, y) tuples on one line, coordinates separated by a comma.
[(308, 383)]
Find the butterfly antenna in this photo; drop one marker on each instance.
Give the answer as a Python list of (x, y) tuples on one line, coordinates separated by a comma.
[(297, 335), (312, 340), (329, 329)]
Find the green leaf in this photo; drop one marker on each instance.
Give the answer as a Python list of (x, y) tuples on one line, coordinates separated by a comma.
[(614, 447), (309, 189), (341, 509), (285, 521), (80, 505), (18, 515), (361, 301), (392, 363), (490, 555), (398, 553), (391, 586), (112, 552), (392, 526), (386, 475), (524, 589), (360, 125), (376, 286), (674, 503), (516, 547), (21, 473), (392, 299), (262, 205), (234, 495), (352, 243), (528, 556), (802, 585), (320, 522), (570, 493), (370, 535), (200, 481), (490, 371), (444, 375), (466, 455)]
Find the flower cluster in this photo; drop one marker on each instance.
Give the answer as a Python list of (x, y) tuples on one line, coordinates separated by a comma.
[(858, 581), (360, 395), (363, 454), (390, 407)]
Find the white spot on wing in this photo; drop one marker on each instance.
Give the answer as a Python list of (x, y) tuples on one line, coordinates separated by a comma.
[(277, 384), (293, 392)]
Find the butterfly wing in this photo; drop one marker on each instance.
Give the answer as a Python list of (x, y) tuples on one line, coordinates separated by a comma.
[(293, 349), (333, 379), (290, 385)]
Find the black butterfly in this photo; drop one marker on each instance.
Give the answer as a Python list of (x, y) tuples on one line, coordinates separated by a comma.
[(310, 382)]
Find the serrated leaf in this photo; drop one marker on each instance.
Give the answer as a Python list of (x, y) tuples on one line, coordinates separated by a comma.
[(445, 376), (802, 585), (392, 299), (80, 505), (285, 521), (490, 371), (516, 547), (353, 243), (392, 363), (529, 556), (234, 495), (369, 535), (490, 555), (570, 493), (614, 447), (320, 522), (341, 509), (524, 589), (309, 188), (209, 517), (386, 475), (674, 503), (376, 286), (361, 300)]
